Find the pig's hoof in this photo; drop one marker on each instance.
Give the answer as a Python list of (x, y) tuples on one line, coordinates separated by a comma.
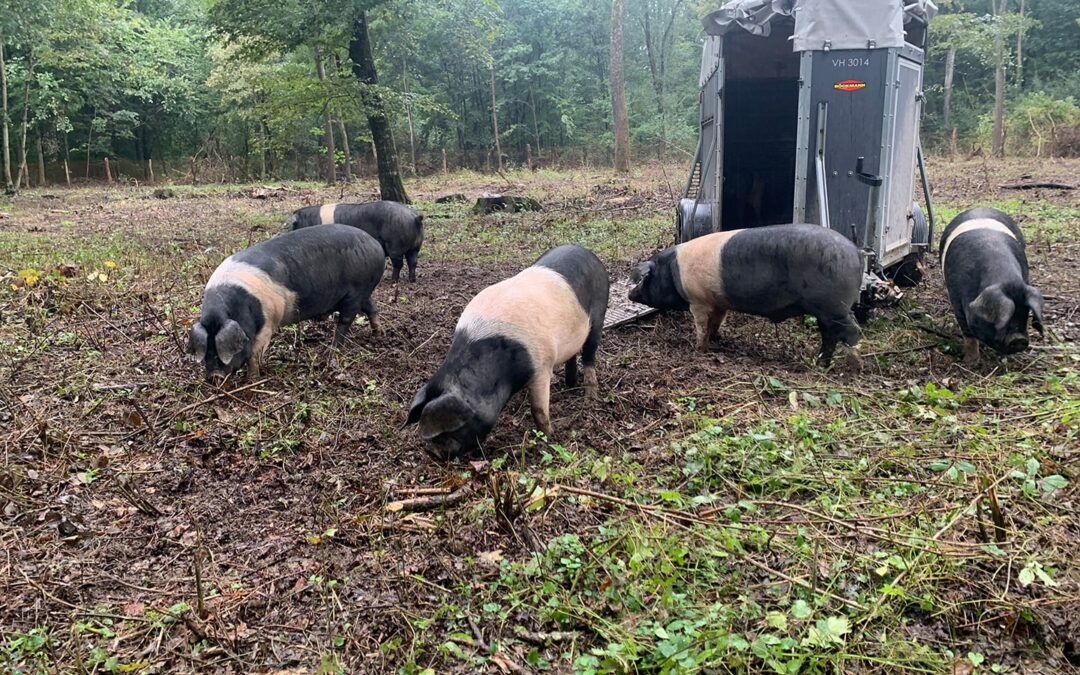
[(852, 361), (971, 359), (592, 392)]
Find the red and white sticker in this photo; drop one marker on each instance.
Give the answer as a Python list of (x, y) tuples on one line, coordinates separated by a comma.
[(849, 85)]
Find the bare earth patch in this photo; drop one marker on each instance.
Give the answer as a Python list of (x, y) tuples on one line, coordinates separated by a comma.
[(740, 510)]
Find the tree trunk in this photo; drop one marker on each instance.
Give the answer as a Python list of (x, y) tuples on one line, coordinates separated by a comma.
[(8, 185), (495, 120), (40, 159), (328, 125), (391, 187), (536, 127), (950, 68), (264, 139), (345, 149), (343, 132), (998, 147), (90, 137), (618, 99), (1020, 48), (444, 161), (23, 171), (408, 114)]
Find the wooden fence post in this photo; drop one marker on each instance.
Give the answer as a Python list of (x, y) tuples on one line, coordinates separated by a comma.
[(952, 145), (194, 174), (150, 170), (67, 173), (444, 161), (108, 172), (528, 157)]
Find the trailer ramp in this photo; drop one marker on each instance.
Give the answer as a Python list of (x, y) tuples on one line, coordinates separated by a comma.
[(620, 309)]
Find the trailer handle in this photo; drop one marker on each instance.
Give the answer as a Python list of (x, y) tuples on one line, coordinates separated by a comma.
[(874, 181), (926, 196), (819, 160)]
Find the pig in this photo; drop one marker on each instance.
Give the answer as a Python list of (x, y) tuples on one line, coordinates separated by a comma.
[(778, 272), (986, 275), (296, 276), (399, 229), (510, 337)]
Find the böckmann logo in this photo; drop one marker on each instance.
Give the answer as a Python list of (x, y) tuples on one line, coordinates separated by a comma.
[(849, 85)]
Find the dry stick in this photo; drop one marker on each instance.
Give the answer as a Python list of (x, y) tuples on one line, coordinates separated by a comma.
[(644, 508), (217, 396), (944, 528), (417, 504)]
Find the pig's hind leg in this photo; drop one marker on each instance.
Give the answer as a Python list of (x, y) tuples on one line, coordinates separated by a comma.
[(588, 359), (410, 258), (397, 262)]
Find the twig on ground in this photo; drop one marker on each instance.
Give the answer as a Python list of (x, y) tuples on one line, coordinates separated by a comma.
[(431, 502), (217, 396)]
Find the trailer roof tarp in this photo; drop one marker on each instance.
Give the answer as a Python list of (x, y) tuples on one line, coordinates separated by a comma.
[(825, 24)]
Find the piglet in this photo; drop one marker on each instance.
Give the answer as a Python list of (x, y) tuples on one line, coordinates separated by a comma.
[(398, 228), (510, 337), (986, 274), (293, 277), (778, 272)]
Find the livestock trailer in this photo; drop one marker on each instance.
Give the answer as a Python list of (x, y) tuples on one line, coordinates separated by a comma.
[(809, 112)]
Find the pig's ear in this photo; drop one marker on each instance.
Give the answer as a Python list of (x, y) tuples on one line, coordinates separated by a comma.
[(230, 341), (1035, 302), (290, 224), (443, 415), (197, 343), (642, 271), (417, 407), (993, 306)]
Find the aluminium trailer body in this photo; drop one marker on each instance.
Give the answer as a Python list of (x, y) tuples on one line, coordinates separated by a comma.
[(809, 112)]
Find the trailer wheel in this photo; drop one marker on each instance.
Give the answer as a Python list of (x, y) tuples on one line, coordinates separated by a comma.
[(909, 272)]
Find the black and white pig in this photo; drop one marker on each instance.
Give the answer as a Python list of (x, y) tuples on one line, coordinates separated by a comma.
[(398, 228), (509, 337), (986, 274), (295, 276), (779, 272)]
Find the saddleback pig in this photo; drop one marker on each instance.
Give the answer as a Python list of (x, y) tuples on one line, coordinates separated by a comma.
[(296, 276), (986, 274), (398, 228), (511, 336), (778, 272)]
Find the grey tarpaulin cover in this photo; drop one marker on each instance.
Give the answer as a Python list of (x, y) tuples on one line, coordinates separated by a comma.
[(838, 24)]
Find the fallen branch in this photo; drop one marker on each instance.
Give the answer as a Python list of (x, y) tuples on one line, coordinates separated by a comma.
[(545, 637), (430, 502), (217, 396), (1038, 184)]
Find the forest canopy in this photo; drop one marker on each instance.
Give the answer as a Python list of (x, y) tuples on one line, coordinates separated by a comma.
[(233, 90)]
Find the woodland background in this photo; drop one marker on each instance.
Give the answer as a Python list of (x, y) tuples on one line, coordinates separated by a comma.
[(215, 90)]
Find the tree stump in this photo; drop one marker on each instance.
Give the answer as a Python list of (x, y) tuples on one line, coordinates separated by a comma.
[(491, 203)]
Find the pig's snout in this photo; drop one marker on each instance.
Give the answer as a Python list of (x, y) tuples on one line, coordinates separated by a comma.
[(216, 378), (441, 449), (1017, 342)]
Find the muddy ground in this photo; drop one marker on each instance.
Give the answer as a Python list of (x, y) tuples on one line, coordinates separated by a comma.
[(151, 522)]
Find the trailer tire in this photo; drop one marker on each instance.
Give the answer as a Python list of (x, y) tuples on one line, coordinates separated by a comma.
[(909, 272)]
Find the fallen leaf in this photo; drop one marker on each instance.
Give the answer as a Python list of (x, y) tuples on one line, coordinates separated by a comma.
[(962, 667), (490, 558), (393, 507)]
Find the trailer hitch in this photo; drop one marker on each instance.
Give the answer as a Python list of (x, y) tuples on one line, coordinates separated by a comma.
[(874, 182)]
